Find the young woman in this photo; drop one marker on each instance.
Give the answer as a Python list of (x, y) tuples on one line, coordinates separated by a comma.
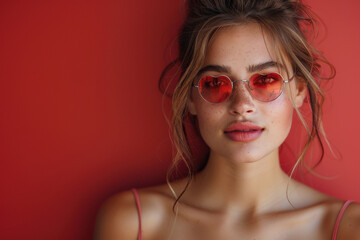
[(246, 67)]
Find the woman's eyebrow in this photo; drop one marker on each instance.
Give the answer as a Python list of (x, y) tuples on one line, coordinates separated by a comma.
[(251, 68), (215, 68), (265, 65)]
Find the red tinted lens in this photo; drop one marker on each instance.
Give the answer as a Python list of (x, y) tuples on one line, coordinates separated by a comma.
[(215, 89), (266, 87)]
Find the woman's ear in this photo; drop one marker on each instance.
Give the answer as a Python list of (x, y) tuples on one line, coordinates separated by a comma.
[(191, 106), (301, 92)]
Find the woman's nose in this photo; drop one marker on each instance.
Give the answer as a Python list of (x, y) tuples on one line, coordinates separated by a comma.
[(241, 101)]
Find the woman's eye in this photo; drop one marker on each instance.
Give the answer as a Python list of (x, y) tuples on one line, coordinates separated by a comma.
[(213, 82), (264, 80)]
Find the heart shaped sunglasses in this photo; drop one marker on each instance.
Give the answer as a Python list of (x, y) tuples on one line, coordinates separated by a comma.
[(263, 87)]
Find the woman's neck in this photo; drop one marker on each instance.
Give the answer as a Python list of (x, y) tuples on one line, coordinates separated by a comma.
[(225, 184)]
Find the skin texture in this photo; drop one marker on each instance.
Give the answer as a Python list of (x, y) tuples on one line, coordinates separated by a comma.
[(241, 193)]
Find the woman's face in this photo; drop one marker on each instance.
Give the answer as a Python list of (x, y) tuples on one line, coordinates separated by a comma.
[(242, 128)]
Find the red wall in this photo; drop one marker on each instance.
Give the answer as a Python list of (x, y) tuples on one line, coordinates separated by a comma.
[(80, 112)]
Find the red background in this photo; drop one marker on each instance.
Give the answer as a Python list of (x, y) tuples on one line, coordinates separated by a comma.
[(81, 117)]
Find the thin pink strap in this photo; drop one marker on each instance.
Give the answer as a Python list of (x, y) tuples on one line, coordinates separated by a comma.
[(137, 199), (338, 220)]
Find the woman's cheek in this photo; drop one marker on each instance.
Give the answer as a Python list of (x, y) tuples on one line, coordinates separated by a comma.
[(283, 119), (209, 120)]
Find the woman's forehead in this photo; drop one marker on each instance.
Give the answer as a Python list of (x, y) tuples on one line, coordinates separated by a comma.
[(243, 46)]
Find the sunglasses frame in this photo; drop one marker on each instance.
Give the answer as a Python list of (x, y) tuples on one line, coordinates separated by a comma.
[(248, 86)]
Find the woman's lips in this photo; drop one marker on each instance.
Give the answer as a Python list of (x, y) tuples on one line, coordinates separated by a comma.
[(243, 131)]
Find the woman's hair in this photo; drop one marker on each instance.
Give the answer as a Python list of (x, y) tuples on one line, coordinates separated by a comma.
[(289, 24)]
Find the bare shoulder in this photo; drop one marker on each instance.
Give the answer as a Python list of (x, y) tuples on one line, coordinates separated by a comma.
[(350, 223), (349, 227), (118, 217), (328, 209)]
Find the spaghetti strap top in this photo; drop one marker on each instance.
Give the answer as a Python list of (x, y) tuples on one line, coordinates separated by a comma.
[(137, 200), (336, 227), (339, 217)]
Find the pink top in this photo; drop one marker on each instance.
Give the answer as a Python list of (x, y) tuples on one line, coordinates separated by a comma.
[(137, 199), (338, 220), (336, 227)]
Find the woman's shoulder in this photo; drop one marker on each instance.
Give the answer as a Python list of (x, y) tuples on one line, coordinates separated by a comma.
[(348, 218), (119, 218), (331, 210), (341, 218)]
